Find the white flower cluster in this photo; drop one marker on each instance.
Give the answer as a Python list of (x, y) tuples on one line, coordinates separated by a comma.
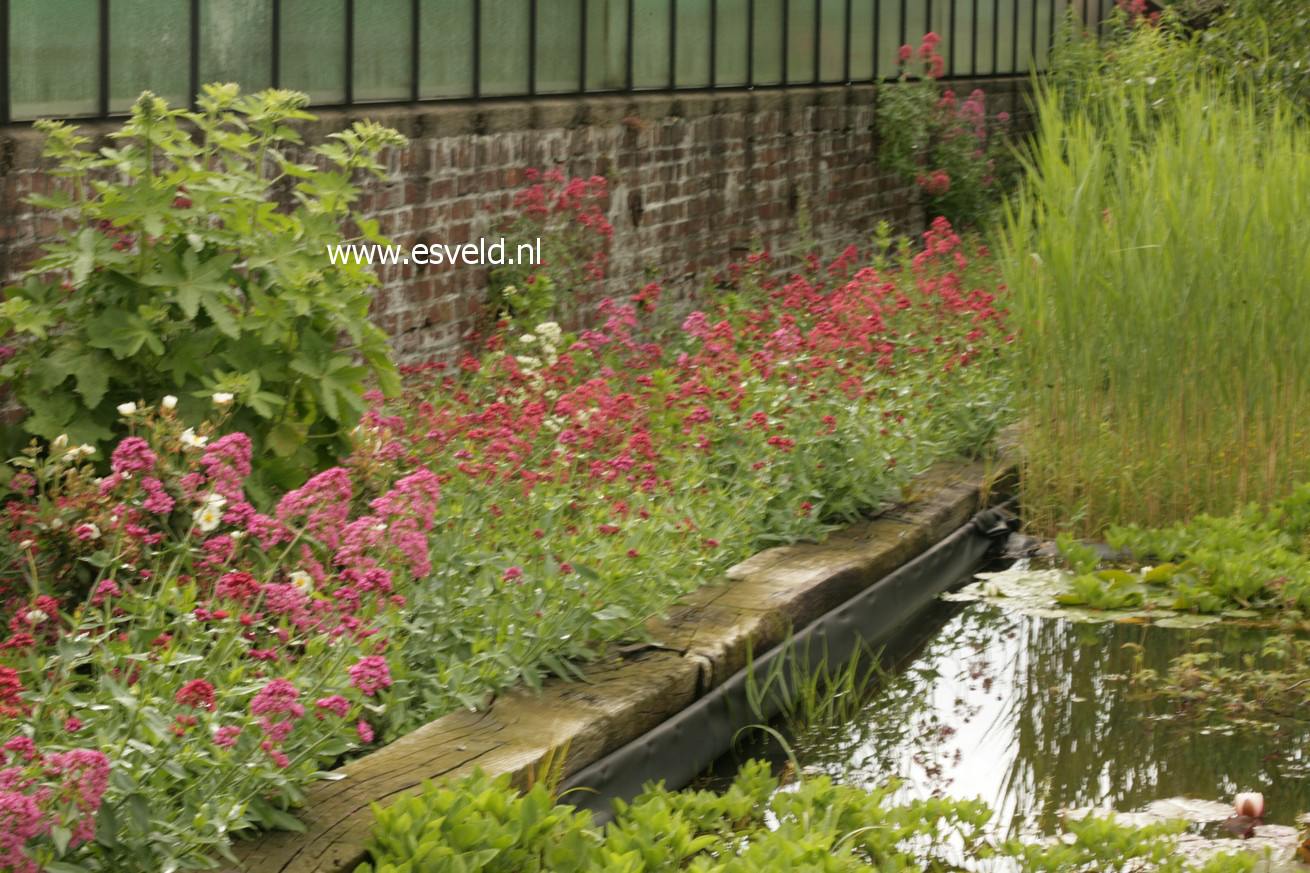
[(545, 340)]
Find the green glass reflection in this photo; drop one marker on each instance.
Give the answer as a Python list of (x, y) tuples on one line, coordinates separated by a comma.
[(559, 44), (650, 52), (1006, 44), (963, 33), (54, 52), (987, 48), (383, 48), (692, 66), (862, 37), (769, 28), (149, 50), (800, 41), (889, 37), (832, 40), (236, 42), (732, 55), (313, 49), (445, 63), (505, 46), (607, 45)]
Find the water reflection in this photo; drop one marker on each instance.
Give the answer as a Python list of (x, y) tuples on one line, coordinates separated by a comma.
[(1035, 714)]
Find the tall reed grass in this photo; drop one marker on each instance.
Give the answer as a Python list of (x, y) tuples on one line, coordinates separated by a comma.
[(1158, 264)]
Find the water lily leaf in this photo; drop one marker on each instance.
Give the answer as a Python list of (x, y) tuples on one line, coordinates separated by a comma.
[(1187, 621)]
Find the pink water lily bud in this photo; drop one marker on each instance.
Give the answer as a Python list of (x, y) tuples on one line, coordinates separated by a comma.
[(1250, 803)]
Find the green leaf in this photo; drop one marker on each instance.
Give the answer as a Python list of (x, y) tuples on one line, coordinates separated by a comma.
[(285, 438), (122, 333)]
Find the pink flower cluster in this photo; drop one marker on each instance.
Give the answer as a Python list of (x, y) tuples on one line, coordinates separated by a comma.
[(39, 792)]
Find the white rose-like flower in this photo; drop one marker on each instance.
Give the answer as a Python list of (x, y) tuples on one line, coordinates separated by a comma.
[(302, 580), (59, 442), (36, 616), (528, 338), (207, 517), (190, 439), (216, 500), (126, 408), (169, 402), (222, 398)]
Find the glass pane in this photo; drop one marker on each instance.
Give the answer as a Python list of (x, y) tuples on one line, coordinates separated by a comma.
[(505, 35), (862, 36), (800, 41), (559, 32), (313, 55), (149, 50), (236, 42), (1023, 40), (964, 37), (832, 40), (987, 35), (768, 42), (445, 63), (607, 44), (650, 54), (692, 61), (916, 23), (731, 59), (889, 37), (54, 58), (383, 42), (1045, 25), (1006, 44)]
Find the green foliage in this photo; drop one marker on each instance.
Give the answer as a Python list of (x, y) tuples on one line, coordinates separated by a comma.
[(194, 262), (480, 824), (1252, 691), (943, 143), (1156, 265)]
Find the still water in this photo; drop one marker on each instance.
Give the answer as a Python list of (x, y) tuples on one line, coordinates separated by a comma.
[(1036, 714)]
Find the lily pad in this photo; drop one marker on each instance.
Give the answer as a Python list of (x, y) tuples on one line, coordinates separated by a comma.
[(1187, 620)]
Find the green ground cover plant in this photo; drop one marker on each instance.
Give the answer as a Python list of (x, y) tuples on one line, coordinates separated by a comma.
[(814, 825), (1156, 268), (496, 522), (193, 263)]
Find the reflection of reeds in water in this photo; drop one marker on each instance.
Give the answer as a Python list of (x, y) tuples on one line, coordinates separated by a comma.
[(1036, 714)]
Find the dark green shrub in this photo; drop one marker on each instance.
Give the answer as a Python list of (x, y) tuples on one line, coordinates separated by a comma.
[(193, 263)]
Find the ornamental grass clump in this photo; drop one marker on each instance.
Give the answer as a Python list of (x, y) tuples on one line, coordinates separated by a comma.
[(1156, 258)]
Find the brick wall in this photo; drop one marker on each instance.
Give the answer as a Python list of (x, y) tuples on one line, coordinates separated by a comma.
[(696, 181)]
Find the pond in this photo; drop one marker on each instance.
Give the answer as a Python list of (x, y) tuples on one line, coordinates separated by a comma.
[(1037, 714)]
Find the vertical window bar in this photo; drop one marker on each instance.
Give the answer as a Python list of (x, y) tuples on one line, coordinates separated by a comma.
[(927, 21), (582, 49), (4, 61), (996, 36), (350, 51), (194, 76), (846, 44), (750, 44), (415, 25), (950, 42), (632, 11), (1050, 36), (904, 30), (275, 47), (673, 44), (102, 96), (532, 46), (973, 44), (1014, 43), (818, 45), (1035, 33), (786, 37), (877, 36), (714, 43), (477, 48)]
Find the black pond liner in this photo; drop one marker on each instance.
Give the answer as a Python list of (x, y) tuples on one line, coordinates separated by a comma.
[(680, 749)]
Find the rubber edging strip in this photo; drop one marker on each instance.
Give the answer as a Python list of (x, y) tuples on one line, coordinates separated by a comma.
[(682, 747)]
